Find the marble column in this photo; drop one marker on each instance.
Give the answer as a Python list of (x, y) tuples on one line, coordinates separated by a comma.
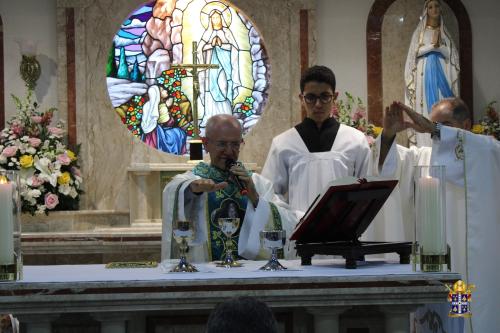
[(397, 318), (41, 323), (326, 319), (141, 205), (112, 322)]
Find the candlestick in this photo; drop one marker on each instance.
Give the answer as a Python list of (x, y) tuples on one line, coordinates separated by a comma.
[(430, 212), (430, 248), (6, 222)]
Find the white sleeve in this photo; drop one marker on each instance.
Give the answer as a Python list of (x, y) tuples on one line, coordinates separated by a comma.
[(363, 160), (276, 170), (271, 213)]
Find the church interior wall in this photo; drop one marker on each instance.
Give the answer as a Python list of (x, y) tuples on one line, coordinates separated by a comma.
[(338, 40)]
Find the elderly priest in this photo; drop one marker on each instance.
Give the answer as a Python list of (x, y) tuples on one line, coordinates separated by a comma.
[(472, 164), (217, 190)]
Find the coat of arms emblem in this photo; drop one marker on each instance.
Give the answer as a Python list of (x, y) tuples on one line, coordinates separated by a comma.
[(460, 297)]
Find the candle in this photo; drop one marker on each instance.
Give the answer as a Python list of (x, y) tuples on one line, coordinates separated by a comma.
[(429, 213), (6, 223)]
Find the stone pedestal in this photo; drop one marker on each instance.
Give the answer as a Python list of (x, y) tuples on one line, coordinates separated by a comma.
[(397, 318), (326, 319)]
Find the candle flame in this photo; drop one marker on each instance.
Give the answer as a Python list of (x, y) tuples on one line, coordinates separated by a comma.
[(3, 180)]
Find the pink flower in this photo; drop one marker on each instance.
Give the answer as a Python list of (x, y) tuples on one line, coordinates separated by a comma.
[(359, 114), (9, 151), (56, 131), (36, 119), (370, 139), (17, 128), (51, 200), (35, 181), (64, 159), (34, 142), (75, 171)]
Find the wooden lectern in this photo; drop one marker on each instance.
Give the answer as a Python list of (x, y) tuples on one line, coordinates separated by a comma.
[(338, 217)]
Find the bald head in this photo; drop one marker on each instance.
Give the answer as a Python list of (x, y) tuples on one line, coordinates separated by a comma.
[(452, 112), (221, 122), (222, 139)]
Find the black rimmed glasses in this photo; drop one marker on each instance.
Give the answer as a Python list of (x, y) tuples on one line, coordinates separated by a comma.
[(312, 98), (232, 145)]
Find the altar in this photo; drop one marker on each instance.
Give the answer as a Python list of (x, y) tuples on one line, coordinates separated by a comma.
[(152, 300)]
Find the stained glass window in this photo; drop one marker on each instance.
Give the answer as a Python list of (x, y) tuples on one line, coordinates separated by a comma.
[(154, 99)]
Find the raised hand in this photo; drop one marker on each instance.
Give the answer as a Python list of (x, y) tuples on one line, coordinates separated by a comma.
[(418, 122), (393, 120), (206, 185), (240, 172)]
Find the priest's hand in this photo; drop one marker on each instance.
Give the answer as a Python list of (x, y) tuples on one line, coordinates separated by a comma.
[(418, 122), (394, 121), (246, 178), (206, 185)]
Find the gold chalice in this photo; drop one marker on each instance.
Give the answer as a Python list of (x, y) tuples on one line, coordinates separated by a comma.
[(228, 226), (183, 234)]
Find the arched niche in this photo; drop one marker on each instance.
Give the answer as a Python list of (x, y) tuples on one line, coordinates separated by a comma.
[(2, 87), (375, 49)]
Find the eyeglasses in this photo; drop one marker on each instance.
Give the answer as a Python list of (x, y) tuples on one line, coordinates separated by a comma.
[(233, 145), (312, 98)]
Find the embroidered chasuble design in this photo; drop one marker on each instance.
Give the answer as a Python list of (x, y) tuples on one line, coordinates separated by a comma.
[(318, 140), (227, 202)]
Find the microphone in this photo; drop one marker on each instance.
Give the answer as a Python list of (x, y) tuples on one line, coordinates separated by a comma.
[(239, 183)]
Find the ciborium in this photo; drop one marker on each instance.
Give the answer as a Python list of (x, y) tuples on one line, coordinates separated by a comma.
[(273, 240), (183, 233), (228, 226)]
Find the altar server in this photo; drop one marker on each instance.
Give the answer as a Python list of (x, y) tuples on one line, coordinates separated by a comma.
[(303, 159)]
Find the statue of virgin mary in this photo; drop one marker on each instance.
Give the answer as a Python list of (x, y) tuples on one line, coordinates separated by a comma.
[(432, 66)]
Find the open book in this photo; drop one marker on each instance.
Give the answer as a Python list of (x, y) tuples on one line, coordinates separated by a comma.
[(343, 210)]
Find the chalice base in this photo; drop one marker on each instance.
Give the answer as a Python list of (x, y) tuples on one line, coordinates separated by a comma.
[(273, 265), (229, 262), (184, 266)]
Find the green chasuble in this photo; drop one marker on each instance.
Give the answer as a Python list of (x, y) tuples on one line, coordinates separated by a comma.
[(227, 202)]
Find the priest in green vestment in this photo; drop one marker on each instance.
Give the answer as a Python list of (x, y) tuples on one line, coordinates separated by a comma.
[(210, 191)]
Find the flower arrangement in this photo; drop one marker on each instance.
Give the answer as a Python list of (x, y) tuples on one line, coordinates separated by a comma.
[(490, 124), (351, 111), (50, 177)]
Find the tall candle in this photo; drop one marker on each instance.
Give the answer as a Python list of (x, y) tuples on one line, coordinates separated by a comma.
[(6, 223), (430, 213)]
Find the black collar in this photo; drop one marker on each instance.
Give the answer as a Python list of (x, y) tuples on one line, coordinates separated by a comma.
[(318, 140)]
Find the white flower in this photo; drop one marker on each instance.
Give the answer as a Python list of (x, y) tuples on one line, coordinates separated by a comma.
[(73, 193), (31, 151), (40, 209), (65, 189), (3, 159), (47, 171)]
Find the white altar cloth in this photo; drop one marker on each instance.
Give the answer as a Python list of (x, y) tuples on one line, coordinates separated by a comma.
[(250, 270)]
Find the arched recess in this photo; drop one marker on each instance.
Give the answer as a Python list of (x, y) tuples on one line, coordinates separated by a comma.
[(374, 55), (2, 87)]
